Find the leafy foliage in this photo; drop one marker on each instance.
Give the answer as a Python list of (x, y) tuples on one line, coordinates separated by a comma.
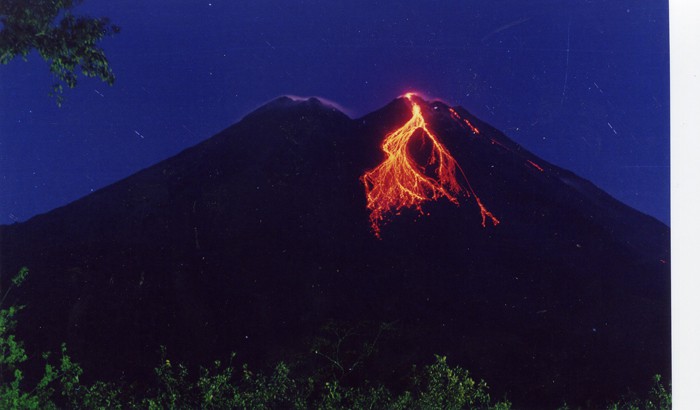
[(451, 388), (13, 391), (659, 398), (227, 387), (436, 386), (68, 43)]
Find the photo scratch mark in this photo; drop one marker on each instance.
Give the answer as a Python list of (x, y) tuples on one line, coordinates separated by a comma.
[(504, 27), (596, 86), (566, 69)]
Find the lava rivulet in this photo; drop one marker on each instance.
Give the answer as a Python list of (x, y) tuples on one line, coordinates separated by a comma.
[(475, 131), (535, 165), (457, 117), (401, 182)]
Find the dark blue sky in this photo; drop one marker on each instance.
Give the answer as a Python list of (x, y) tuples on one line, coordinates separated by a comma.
[(583, 84)]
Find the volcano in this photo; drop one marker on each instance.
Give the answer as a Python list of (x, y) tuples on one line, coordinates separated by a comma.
[(522, 272)]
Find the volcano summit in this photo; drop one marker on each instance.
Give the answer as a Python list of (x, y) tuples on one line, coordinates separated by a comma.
[(524, 273)]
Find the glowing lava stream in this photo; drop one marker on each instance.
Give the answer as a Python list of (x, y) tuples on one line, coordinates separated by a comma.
[(457, 117), (399, 182)]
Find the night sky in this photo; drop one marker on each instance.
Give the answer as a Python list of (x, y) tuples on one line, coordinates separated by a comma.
[(583, 84)]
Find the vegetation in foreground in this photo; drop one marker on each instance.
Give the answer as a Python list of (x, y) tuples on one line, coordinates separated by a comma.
[(68, 43), (436, 386)]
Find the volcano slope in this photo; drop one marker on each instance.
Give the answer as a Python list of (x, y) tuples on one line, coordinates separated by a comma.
[(254, 239)]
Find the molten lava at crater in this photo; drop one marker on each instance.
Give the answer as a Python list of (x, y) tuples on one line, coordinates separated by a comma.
[(417, 168)]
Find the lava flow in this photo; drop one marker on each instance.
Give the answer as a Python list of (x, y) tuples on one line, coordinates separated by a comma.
[(400, 182), (457, 117)]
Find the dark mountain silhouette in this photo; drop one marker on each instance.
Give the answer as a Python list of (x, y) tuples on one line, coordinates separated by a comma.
[(254, 239)]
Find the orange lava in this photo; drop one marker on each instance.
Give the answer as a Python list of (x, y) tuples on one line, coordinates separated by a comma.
[(457, 117), (400, 182), (535, 165), (529, 162)]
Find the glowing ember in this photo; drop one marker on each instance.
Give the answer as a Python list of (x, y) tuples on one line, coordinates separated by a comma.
[(457, 117), (400, 182), (539, 168)]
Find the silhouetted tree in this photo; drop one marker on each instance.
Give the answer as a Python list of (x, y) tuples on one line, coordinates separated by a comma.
[(67, 42)]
